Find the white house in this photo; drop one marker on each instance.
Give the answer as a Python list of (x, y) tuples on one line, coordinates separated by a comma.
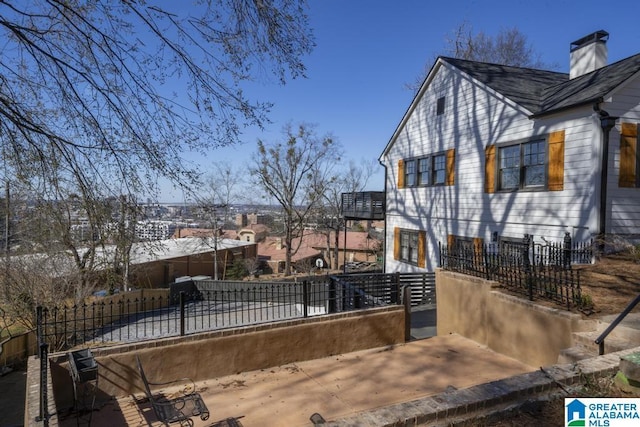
[(487, 152)]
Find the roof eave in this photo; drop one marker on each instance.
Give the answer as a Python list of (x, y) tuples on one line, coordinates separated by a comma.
[(596, 100), (423, 87)]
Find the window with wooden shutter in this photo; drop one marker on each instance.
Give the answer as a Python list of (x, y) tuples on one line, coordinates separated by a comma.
[(451, 166), (400, 173), (628, 155), (533, 164), (409, 246), (556, 161), (490, 169), (429, 170)]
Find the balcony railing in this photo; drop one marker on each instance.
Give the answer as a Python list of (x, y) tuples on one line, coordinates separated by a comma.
[(363, 205)]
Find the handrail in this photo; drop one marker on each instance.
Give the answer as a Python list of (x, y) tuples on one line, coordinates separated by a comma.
[(611, 327)]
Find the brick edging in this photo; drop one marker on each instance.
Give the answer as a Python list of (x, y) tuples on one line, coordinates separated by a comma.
[(458, 405)]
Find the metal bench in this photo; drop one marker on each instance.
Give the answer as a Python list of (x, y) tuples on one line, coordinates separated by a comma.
[(178, 409)]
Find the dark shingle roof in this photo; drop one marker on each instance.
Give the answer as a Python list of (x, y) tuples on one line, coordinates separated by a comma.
[(543, 92)]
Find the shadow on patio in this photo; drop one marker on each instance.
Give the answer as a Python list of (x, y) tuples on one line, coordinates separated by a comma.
[(335, 386)]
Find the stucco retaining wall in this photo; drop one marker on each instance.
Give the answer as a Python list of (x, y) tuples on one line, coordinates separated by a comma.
[(509, 325), (216, 354)]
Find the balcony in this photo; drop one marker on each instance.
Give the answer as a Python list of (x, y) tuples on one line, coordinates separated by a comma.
[(363, 205)]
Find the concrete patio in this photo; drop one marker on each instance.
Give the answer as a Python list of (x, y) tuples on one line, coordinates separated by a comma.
[(335, 387)]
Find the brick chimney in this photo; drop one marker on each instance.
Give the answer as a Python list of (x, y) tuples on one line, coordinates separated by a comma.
[(588, 54)]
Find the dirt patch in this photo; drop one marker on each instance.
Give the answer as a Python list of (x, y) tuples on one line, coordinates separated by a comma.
[(612, 282)]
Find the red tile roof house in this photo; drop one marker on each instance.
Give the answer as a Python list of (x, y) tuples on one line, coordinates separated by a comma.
[(360, 247), (488, 152)]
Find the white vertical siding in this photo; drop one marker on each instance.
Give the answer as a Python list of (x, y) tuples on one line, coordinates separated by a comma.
[(623, 204), (475, 118)]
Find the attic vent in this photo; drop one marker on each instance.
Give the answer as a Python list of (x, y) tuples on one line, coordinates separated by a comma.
[(440, 106)]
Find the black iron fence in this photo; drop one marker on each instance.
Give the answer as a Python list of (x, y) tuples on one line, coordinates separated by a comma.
[(539, 271), (212, 305)]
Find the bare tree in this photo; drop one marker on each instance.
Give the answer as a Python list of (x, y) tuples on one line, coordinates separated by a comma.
[(508, 47), (224, 187), (117, 90), (353, 179), (99, 99), (295, 173)]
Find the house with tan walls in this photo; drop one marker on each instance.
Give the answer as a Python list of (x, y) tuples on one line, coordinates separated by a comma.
[(489, 153)]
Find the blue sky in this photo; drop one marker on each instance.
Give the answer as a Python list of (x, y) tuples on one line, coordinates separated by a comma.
[(367, 51)]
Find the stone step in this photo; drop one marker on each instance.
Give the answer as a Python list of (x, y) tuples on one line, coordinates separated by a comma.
[(574, 354), (628, 329), (612, 343)]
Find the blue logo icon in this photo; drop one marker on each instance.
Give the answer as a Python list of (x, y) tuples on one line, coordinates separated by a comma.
[(576, 413)]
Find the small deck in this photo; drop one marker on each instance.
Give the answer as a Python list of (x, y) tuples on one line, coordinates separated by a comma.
[(364, 205)]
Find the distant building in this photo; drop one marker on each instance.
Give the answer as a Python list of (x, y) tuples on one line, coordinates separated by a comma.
[(154, 230), (253, 233), (360, 247), (241, 220), (158, 266)]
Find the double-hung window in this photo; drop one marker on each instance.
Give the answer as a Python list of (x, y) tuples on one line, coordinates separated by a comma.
[(424, 171), (439, 169), (409, 246), (533, 164), (435, 169), (410, 173), (522, 166)]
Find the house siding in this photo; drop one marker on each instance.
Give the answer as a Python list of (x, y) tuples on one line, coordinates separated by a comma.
[(623, 204), (475, 118)]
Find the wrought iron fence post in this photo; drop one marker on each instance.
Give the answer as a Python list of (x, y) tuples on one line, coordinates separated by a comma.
[(39, 336), (406, 299), (43, 411), (357, 298), (332, 296), (305, 298), (182, 313), (526, 243), (395, 289), (566, 262)]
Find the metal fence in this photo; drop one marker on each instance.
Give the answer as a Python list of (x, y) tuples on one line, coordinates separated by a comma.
[(212, 305), (537, 271)]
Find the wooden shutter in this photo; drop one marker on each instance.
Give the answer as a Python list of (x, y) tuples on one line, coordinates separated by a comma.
[(422, 249), (400, 173), (490, 169), (451, 241), (628, 148), (396, 243), (556, 161), (478, 249), (451, 167)]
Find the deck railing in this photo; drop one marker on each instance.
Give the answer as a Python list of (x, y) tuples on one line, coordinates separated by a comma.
[(213, 305)]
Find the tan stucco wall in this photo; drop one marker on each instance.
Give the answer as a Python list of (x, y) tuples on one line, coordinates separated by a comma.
[(216, 354), (510, 325)]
